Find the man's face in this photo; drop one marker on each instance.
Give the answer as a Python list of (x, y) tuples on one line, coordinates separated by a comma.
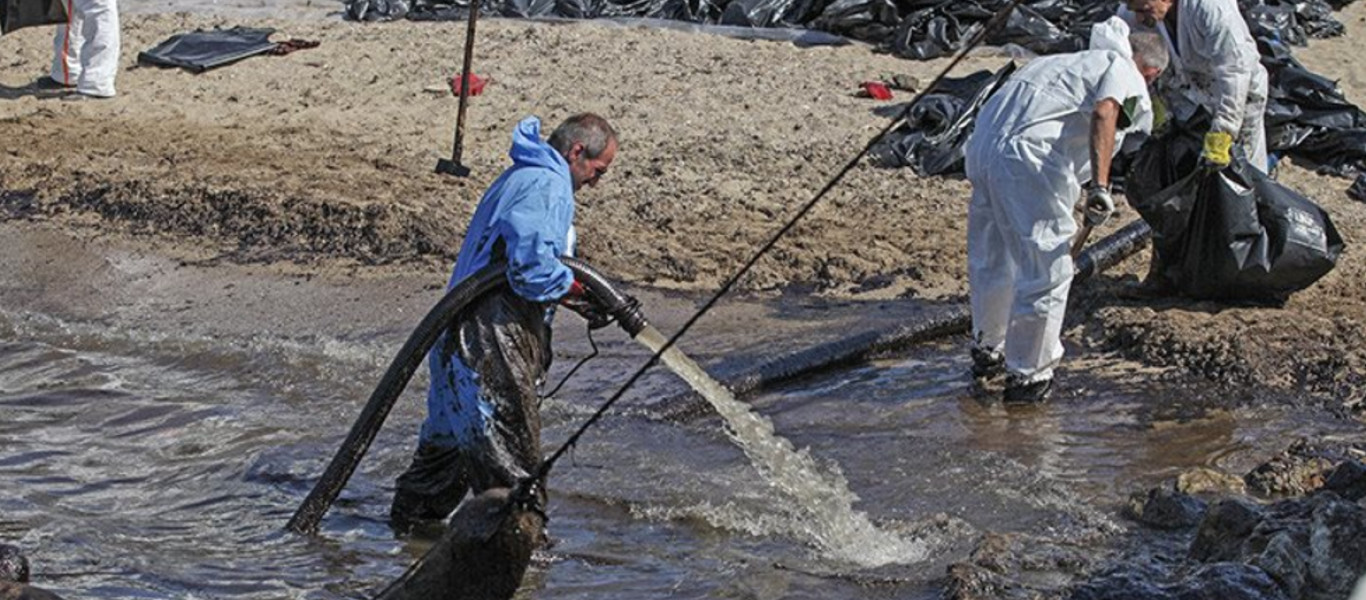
[(1150, 12), (1150, 74), (586, 171)]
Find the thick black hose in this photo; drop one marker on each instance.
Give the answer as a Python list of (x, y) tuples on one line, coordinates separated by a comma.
[(410, 357), (940, 322)]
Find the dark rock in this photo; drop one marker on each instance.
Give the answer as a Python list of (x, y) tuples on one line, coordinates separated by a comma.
[(1285, 559), (1002, 563), (1337, 546), (1226, 581), (1224, 530), (1126, 586), (1165, 508), (1348, 480), (14, 574)]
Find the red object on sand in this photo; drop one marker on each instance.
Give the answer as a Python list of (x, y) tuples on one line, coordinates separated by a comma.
[(876, 90), (476, 84)]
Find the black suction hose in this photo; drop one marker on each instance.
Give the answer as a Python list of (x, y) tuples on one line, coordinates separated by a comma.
[(624, 309), (943, 321)]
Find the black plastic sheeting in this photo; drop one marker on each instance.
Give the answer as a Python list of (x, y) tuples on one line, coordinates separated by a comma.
[(937, 127), (202, 50), (919, 29), (1234, 234), (17, 14), (1309, 119), (1291, 22)]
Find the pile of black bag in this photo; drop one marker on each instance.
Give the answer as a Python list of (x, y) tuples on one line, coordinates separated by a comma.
[(918, 29)]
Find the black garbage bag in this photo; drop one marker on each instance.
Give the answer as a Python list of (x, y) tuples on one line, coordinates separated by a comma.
[(202, 50), (931, 140), (17, 14), (1234, 234)]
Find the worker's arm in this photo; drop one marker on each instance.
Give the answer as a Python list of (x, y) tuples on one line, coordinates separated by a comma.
[(534, 229), (1104, 122), (1231, 59)]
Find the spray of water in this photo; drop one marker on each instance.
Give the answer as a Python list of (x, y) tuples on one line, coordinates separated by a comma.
[(821, 497)]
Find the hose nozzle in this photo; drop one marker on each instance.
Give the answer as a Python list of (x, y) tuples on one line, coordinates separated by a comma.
[(622, 307)]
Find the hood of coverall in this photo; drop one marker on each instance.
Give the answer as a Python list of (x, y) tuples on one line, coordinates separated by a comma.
[(528, 150)]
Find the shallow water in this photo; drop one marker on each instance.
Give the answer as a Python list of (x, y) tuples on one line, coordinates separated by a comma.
[(150, 466)]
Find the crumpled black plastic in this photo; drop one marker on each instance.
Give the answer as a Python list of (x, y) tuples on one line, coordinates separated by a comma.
[(938, 125), (1234, 234), (1292, 22), (1309, 119), (17, 14)]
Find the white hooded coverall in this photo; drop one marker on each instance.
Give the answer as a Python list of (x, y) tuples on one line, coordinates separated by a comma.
[(1215, 64), (86, 48), (1029, 151)]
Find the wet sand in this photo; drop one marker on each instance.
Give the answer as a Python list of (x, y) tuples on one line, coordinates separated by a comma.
[(319, 164)]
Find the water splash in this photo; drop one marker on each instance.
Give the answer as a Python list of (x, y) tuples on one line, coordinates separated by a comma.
[(821, 497)]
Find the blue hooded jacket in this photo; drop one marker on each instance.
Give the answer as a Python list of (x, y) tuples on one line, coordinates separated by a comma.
[(530, 207), (529, 212)]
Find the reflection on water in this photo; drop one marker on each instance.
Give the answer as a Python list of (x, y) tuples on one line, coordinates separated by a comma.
[(146, 467)]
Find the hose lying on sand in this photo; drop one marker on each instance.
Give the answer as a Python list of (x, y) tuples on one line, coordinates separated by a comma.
[(941, 322), (306, 518)]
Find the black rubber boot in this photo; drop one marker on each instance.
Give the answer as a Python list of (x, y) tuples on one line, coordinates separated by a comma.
[(1019, 392), (987, 364)]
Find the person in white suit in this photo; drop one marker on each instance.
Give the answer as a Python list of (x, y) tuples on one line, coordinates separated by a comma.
[(1056, 123), (85, 57), (1216, 65)]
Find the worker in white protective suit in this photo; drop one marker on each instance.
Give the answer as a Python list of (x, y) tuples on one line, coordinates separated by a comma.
[(86, 50), (1214, 64), (1054, 124)]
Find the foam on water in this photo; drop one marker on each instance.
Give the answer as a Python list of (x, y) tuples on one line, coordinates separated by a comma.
[(821, 500)]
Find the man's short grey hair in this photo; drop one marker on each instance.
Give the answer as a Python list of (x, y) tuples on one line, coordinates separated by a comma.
[(1150, 50), (594, 132)]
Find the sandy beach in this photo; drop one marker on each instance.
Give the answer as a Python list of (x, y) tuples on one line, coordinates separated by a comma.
[(321, 162)]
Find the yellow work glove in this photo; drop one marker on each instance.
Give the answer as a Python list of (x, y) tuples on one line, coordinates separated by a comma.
[(1218, 145)]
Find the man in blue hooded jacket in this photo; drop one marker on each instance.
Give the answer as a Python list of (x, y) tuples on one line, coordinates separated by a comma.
[(483, 427)]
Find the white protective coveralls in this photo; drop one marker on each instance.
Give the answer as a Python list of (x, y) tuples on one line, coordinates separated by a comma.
[(86, 48), (1215, 64), (1029, 152)]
